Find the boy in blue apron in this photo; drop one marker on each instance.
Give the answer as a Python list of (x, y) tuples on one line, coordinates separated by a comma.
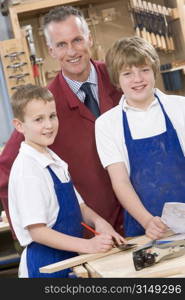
[(141, 142), (45, 209)]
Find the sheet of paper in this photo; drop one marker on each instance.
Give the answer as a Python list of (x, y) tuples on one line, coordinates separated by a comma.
[(173, 215)]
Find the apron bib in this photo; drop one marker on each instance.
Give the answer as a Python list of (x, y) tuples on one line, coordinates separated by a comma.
[(157, 171), (68, 222)]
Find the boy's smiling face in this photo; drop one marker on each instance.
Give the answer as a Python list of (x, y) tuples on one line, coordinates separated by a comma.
[(137, 83), (40, 124)]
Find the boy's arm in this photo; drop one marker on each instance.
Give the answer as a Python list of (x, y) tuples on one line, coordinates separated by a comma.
[(101, 225), (42, 234), (131, 202)]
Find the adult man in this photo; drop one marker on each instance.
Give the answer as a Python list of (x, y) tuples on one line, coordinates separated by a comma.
[(69, 42)]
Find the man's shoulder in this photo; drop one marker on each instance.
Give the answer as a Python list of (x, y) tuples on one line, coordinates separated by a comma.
[(53, 82)]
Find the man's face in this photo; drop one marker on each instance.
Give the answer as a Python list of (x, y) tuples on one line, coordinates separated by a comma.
[(71, 47)]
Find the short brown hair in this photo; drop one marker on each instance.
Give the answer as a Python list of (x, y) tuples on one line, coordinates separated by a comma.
[(25, 94), (130, 51)]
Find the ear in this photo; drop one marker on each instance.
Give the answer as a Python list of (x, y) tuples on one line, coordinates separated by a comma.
[(51, 52), (90, 40), (18, 125)]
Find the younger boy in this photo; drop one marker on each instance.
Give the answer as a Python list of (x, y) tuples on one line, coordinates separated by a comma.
[(44, 210), (141, 142)]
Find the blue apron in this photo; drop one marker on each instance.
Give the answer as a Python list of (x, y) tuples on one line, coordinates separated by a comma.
[(157, 171), (68, 222)]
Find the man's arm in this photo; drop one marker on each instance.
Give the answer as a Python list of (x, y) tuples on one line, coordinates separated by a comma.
[(131, 202), (7, 158)]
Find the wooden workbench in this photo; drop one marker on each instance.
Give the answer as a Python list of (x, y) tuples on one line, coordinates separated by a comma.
[(120, 265), (4, 226)]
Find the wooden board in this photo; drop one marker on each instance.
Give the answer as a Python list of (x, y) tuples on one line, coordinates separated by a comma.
[(75, 261), (8, 48), (4, 226)]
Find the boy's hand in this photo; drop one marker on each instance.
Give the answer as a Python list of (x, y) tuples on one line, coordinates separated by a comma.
[(100, 243), (104, 227), (155, 228)]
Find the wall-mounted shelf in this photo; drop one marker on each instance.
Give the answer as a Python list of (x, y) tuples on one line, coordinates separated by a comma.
[(174, 69)]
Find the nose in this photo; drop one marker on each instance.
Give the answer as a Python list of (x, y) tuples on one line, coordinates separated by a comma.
[(137, 76), (71, 50), (48, 123)]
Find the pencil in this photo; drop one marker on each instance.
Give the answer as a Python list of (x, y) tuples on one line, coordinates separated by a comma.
[(89, 228)]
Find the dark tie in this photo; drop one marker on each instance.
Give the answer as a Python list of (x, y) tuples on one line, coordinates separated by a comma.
[(90, 101)]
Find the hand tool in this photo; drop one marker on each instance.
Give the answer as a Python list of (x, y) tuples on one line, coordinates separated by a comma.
[(154, 252), (120, 246)]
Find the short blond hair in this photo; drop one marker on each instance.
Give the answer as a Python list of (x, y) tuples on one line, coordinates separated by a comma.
[(25, 94), (130, 51)]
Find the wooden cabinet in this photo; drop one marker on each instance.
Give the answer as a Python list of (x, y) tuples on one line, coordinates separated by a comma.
[(108, 21)]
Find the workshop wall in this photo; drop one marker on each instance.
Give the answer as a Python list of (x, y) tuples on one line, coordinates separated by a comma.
[(108, 21)]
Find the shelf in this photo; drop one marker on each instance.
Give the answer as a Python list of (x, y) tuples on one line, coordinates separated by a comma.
[(173, 69)]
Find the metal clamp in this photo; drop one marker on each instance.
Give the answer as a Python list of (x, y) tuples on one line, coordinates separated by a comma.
[(14, 55), (154, 252), (17, 66), (19, 77)]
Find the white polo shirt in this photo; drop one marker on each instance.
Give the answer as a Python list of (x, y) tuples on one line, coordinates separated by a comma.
[(110, 139), (31, 193)]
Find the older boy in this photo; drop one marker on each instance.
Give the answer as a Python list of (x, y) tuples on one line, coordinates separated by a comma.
[(44, 210), (141, 142)]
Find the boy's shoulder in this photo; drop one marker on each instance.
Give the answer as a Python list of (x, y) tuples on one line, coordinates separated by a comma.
[(111, 114), (24, 163)]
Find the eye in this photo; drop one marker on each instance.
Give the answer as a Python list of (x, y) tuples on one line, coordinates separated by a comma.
[(146, 69), (61, 45), (39, 119), (53, 116), (126, 74), (79, 39)]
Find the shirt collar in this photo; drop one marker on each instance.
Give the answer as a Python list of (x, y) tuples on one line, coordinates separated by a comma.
[(127, 107), (42, 159), (76, 85)]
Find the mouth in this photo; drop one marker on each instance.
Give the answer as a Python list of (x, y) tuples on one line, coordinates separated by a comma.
[(74, 60), (48, 134), (139, 87)]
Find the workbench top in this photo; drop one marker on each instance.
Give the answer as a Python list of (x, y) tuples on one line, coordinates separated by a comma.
[(120, 265)]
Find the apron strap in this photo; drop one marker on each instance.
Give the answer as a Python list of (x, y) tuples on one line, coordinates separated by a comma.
[(54, 176)]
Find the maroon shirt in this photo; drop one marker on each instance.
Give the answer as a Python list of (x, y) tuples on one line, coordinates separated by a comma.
[(75, 144)]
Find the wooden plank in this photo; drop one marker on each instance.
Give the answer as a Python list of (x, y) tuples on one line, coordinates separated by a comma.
[(91, 272), (15, 23), (39, 5), (11, 46), (78, 260), (75, 261), (81, 271), (4, 226)]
